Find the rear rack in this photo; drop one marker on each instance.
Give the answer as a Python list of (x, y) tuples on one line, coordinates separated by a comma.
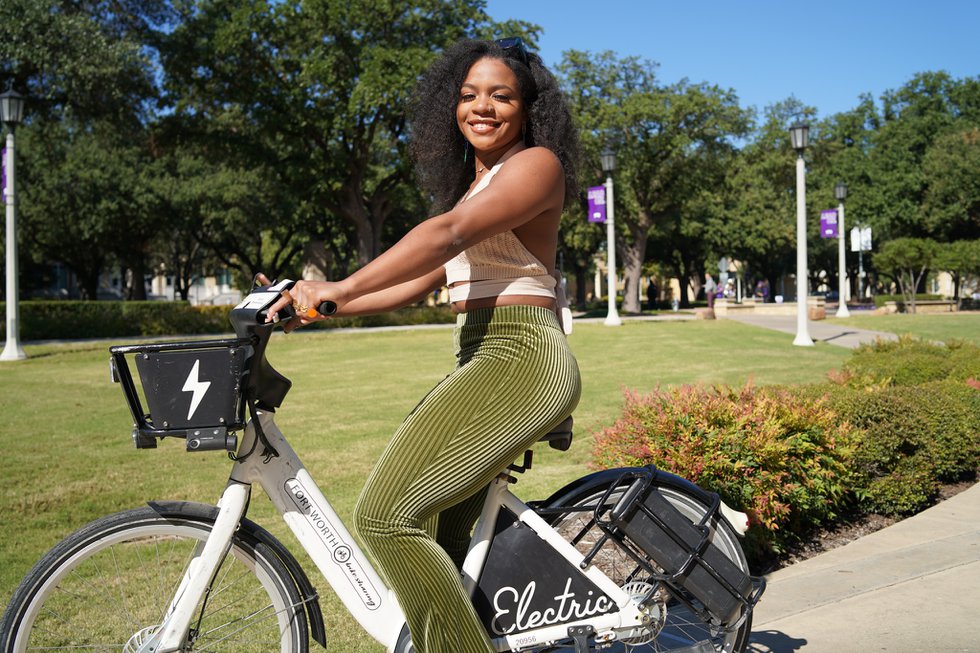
[(643, 523)]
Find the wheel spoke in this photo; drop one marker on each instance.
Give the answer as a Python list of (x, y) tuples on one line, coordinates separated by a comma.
[(107, 587)]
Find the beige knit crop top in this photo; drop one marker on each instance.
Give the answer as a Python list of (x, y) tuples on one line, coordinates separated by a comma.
[(499, 265)]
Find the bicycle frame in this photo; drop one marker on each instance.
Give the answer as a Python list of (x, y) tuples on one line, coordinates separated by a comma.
[(588, 605), (343, 564)]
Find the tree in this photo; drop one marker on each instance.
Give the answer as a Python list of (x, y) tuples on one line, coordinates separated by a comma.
[(87, 201), (912, 118), (672, 145), (578, 242), (952, 194), (961, 259), (314, 95), (87, 59), (840, 153), (89, 81), (211, 213), (908, 260), (758, 225)]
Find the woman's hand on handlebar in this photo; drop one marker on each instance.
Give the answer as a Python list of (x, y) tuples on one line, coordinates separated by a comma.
[(309, 301)]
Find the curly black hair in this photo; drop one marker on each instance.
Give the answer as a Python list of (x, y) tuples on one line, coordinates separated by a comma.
[(438, 147)]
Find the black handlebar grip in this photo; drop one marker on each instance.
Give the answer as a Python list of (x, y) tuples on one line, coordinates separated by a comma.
[(327, 308)]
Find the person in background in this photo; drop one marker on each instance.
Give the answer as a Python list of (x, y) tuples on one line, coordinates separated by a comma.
[(651, 295), (710, 288)]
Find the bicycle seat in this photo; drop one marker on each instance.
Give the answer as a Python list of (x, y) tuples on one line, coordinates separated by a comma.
[(560, 437)]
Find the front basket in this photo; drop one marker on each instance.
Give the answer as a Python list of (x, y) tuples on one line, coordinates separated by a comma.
[(192, 389)]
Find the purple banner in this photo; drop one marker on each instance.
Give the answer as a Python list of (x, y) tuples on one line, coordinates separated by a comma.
[(597, 204), (828, 223), (3, 177)]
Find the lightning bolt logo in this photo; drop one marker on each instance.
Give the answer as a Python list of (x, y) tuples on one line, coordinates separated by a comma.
[(199, 388)]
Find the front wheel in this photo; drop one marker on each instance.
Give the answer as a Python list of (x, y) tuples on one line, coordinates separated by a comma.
[(672, 625), (108, 586)]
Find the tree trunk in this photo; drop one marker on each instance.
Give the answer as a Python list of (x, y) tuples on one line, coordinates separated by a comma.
[(367, 220), (317, 261), (688, 269), (365, 240), (137, 280), (88, 285), (904, 290), (634, 254), (581, 279)]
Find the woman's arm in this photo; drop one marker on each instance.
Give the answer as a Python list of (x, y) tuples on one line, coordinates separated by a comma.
[(395, 297), (530, 184)]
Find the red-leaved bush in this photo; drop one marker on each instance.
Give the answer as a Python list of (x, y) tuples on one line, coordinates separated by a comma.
[(778, 454)]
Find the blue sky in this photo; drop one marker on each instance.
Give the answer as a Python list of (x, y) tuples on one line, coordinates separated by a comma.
[(825, 53)]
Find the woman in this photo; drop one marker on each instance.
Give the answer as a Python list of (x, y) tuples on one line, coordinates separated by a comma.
[(494, 145)]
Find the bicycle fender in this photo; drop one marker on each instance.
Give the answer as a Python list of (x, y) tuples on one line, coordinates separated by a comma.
[(255, 534), (585, 484), (738, 520), (604, 478)]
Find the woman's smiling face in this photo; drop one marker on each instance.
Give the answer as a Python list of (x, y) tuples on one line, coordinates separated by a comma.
[(490, 112)]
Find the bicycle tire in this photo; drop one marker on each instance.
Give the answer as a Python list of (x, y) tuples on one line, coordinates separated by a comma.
[(676, 627), (107, 586)]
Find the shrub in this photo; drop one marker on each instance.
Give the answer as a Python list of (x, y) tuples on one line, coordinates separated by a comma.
[(901, 299), (910, 439), (778, 454), (917, 407), (71, 320), (909, 361)]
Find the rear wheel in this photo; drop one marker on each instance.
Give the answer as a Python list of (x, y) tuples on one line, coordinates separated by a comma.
[(672, 626), (107, 587)]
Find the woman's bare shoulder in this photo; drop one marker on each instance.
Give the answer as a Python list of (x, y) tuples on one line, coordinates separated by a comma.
[(537, 156), (533, 163)]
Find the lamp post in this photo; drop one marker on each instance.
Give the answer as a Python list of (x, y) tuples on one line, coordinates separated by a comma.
[(840, 192), (11, 112), (608, 160), (799, 137)]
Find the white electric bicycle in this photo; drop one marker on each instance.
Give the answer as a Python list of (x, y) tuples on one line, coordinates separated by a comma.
[(623, 559)]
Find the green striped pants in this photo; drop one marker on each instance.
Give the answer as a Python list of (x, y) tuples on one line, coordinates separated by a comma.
[(515, 380)]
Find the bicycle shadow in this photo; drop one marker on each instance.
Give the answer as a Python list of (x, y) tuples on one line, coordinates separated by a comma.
[(773, 641), (760, 641)]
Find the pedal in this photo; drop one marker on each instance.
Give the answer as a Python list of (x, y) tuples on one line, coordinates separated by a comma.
[(580, 637)]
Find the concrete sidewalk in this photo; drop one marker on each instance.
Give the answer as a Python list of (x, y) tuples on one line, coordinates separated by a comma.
[(909, 588), (820, 330), (912, 587)]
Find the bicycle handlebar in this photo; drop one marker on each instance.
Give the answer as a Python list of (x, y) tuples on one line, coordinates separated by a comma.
[(252, 310)]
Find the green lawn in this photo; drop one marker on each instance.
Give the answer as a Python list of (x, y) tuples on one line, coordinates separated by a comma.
[(942, 327), (68, 456)]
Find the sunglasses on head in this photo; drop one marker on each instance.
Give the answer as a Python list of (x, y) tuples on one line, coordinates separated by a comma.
[(514, 48)]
